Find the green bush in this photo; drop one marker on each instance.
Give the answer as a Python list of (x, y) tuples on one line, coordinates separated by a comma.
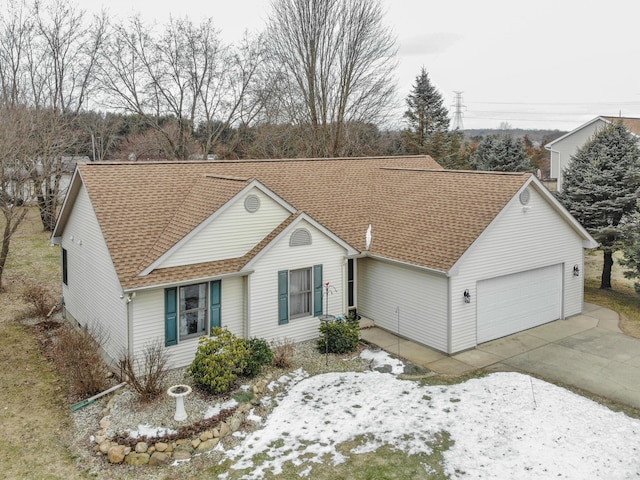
[(260, 354), (342, 336), (219, 360)]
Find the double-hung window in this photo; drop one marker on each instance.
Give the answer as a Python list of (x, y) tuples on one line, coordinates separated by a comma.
[(300, 293), (193, 310)]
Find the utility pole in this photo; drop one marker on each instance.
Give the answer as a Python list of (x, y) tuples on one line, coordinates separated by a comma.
[(457, 115)]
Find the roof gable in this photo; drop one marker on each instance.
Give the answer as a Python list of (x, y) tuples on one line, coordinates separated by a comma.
[(630, 123), (211, 198)]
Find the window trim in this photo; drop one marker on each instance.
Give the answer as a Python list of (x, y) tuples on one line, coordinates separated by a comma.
[(300, 293), (180, 314)]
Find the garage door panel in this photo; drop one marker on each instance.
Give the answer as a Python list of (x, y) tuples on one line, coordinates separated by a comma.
[(517, 302)]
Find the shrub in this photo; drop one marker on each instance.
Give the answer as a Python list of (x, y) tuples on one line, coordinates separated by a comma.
[(342, 336), (41, 299), (219, 360), (148, 379), (77, 352), (283, 353), (260, 354)]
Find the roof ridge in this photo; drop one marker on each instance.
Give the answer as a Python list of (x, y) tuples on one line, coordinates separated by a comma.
[(431, 170)]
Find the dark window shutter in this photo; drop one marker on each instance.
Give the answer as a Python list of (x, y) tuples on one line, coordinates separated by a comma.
[(283, 297), (216, 300), (317, 290), (170, 316)]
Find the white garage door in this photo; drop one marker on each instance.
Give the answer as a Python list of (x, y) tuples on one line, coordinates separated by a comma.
[(517, 302)]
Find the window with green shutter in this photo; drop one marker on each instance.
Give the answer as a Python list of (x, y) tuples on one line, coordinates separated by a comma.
[(299, 293)]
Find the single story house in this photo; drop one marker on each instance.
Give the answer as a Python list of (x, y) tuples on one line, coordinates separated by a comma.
[(449, 259), (563, 148)]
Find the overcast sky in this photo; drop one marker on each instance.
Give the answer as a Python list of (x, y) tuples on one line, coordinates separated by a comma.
[(545, 64)]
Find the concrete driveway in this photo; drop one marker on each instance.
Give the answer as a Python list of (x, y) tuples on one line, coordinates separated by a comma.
[(587, 351)]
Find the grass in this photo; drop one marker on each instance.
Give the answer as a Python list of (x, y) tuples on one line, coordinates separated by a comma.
[(35, 425), (386, 463), (622, 297)]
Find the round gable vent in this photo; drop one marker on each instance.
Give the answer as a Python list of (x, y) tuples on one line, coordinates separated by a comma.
[(252, 203), (525, 196)]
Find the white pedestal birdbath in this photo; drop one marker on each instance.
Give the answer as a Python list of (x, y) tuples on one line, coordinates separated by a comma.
[(179, 392)]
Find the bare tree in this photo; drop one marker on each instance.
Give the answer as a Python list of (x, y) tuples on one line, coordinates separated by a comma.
[(333, 63), (16, 130), (48, 54), (180, 78)]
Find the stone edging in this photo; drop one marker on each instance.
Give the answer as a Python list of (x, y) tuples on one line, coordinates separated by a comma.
[(163, 452)]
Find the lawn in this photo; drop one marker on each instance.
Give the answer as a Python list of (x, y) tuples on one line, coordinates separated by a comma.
[(492, 427), (622, 297), (35, 424)]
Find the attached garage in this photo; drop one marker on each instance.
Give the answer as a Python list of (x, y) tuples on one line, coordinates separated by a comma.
[(512, 303)]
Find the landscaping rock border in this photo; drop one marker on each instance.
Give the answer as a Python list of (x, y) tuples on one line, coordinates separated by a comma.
[(163, 451)]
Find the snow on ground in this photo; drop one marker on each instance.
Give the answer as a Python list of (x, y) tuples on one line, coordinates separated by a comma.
[(216, 409), (149, 431), (505, 425)]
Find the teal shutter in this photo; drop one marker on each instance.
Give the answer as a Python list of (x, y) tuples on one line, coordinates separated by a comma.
[(317, 290), (216, 300), (170, 316), (283, 297)]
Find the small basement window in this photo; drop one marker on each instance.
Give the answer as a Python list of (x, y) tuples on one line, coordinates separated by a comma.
[(300, 237)]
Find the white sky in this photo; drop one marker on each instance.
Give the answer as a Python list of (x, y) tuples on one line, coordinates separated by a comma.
[(543, 64)]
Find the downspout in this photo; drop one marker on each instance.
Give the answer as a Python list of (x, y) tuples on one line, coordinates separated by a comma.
[(128, 298)]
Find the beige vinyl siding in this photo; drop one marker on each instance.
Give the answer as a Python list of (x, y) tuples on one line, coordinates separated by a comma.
[(147, 310), (263, 284), (420, 296), (232, 234), (92, 296), (518, 240)]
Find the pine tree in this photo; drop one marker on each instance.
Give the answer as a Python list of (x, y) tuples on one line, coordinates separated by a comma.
[(500, 153), (427, 118), (631, 250), (600, 189)]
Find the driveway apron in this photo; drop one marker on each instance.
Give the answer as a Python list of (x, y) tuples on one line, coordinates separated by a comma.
[(587, 351)]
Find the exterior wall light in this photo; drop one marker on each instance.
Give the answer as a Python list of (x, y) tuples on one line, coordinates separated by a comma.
[(576, 271), (467, 296)]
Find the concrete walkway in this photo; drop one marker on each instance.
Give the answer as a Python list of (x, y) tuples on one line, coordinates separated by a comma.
[(587, 351)]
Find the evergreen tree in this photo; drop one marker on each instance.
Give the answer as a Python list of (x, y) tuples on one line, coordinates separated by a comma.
[(601, 188), (427, 118), (631, 250), (500, 153)]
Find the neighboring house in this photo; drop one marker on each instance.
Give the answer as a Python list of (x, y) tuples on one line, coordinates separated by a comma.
[(563, 148), (448, 259)]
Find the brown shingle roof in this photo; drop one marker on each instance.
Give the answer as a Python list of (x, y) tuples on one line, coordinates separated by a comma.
[(420, 213), (630, 123)]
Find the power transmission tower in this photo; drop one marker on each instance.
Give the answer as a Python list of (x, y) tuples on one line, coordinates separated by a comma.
[(457, 115)]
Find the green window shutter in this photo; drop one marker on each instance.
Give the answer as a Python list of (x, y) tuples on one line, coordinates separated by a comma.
[(216, 300), (283, 297), (317, 290), (170, 316)]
